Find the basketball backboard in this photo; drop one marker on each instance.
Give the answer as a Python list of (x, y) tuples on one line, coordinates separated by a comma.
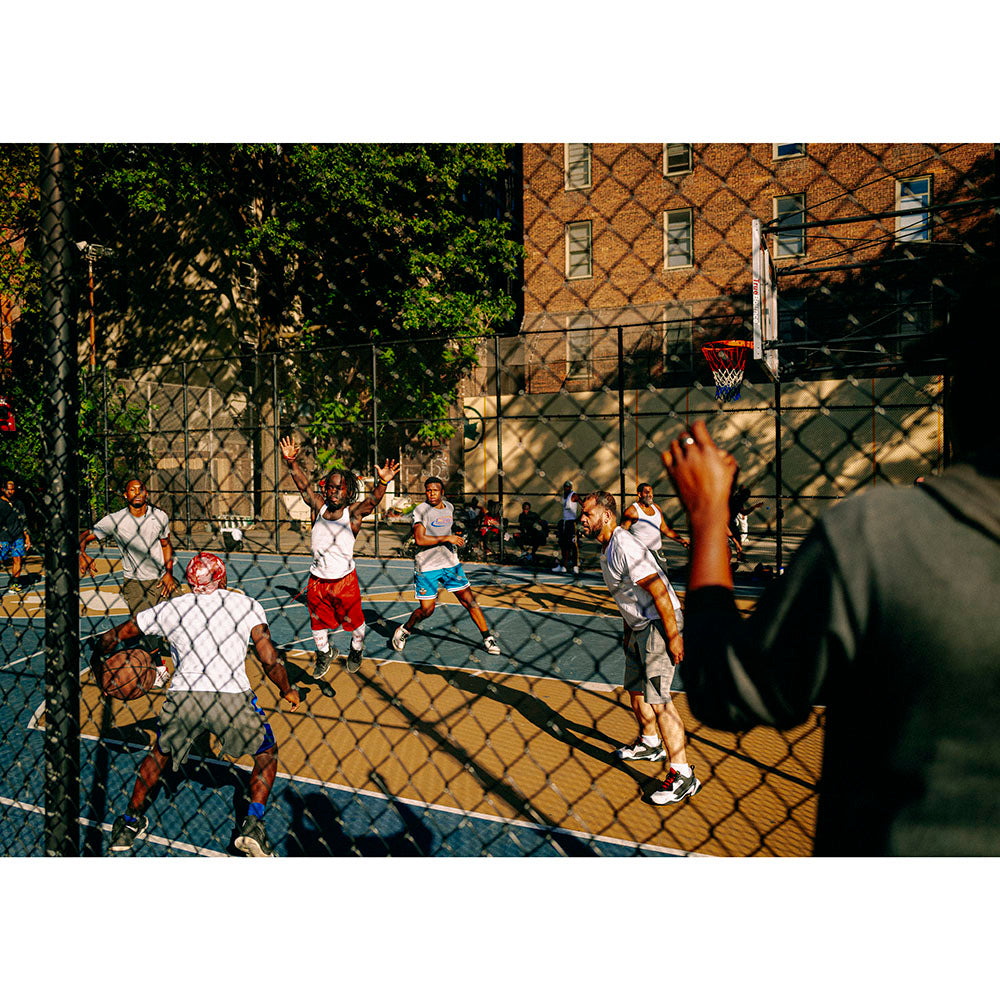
[(765, 301)]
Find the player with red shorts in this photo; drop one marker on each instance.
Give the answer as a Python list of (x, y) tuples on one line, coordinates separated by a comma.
[(333, 595)]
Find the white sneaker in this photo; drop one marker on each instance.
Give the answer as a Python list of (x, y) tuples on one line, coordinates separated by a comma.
[(576, 570), (559, 569), (162, 677), (399, 638), (492, 647), (675, 788)]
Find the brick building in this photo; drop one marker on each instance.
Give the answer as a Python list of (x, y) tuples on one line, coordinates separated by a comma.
[(656, 237)]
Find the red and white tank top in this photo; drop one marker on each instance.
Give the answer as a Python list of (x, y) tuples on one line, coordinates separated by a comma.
[(332, 546)]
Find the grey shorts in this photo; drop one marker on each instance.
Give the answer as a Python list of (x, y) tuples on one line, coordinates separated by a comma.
[(649, 670), (141, 594), (235, 718)]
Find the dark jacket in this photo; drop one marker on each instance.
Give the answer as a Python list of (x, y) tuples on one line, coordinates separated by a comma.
[(889, 616)]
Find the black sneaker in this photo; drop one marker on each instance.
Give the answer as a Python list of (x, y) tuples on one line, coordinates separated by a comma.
[(322, 664), (123, 833), (354, 660), (676, 788), (251, 839)]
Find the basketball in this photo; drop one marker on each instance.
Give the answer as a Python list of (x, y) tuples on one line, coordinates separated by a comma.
[(128, 675)]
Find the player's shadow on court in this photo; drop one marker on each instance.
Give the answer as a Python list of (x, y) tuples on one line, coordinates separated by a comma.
[(317, 829)]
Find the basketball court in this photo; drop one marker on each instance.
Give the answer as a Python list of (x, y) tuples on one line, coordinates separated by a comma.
[(441, 750)]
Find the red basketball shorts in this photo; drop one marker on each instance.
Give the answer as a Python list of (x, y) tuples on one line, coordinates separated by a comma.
[(335, 603)]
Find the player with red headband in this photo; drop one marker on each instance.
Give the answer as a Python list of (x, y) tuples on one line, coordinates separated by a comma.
[(208, 631)]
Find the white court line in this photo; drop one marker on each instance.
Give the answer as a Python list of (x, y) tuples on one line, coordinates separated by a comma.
[(24, 659), (204, 852)]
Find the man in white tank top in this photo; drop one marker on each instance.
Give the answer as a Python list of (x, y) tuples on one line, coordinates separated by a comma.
[(333, 595), (566, 532), (646, 521)]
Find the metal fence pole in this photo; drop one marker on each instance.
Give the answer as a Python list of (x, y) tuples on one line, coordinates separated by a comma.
[(621, 418), (496, 381), (104, 441), (187, 454), (778, 513), (375, 431), (62, 570), (277, 435)]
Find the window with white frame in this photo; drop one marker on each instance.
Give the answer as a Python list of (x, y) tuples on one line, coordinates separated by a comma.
[(790, 210), (577, 166), (913, 193), (678, 342), (678, 238), (786, 150), (579, 347), (676, 158), (579, 250)]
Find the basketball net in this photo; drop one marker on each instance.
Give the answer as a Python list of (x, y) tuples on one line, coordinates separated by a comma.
[(727, 359)]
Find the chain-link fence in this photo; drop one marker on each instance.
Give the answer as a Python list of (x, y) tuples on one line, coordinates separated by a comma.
[(182, 312)]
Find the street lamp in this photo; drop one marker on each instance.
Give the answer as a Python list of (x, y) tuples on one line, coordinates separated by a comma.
[(92, 251)]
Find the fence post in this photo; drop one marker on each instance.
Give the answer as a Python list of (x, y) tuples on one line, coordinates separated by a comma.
[(104, 442), (62, 568), (274, 445), (187, 454), (621, 418), (496, 383), (778, 513), (375, 432)]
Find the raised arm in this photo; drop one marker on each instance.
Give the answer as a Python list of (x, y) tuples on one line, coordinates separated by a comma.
[(289, 452), (273, 665), (361, 509)]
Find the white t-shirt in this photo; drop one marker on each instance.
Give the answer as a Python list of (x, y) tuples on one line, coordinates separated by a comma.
[(569, 508), (138, 540), (646, 527), (208, 636), (625, 561), (437, 521), (332, 546)]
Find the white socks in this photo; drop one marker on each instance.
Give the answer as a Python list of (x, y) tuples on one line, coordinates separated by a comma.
[(684, 770), (320, 637), (358, 637), (651, 741)]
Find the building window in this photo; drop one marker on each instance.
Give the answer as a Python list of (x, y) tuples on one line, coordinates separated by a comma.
[(579, 348), (577, 165), (678, 244), (790, 210), (676, 158), (914, 315), (786, 150), (915, 193), (579, 251), (792, 317), (678, 344)]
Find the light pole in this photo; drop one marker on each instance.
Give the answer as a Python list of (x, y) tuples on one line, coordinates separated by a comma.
[(92, 251)]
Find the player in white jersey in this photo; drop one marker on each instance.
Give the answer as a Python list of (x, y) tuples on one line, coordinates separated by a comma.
[(569, 548), (437, 567), (333, 595), (208, 631), (645, 520), (653, 645)]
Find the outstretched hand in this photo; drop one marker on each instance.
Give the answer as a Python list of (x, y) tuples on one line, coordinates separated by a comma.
[(388, 472), (702, 473), (289, 448)]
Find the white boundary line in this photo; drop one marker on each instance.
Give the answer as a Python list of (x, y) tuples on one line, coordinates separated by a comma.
[(204, 852)]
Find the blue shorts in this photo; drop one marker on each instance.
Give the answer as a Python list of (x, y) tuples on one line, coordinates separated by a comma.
[(10, 549), (426, 585)]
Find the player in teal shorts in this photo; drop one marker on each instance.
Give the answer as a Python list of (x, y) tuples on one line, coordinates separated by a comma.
[(437, 566)]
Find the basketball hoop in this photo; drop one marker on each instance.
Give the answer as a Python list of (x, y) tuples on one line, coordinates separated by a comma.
[(727, 359)]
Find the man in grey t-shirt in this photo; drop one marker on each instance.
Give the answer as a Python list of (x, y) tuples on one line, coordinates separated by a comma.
[(142, 534), (437, 566)]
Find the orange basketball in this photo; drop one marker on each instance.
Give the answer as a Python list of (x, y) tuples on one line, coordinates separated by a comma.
[(128, 675)]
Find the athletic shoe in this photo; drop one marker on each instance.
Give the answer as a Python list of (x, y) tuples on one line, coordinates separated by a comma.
[(676, 788), (642, 752), (558, 569), (251, 839), (576, 570), (354, 660), (322, 664), (16, 588), (399, 638), (492, 646), (123, 833), (162, 677)]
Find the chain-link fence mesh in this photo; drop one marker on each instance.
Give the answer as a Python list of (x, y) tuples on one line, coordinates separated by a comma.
[(172, 314)]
